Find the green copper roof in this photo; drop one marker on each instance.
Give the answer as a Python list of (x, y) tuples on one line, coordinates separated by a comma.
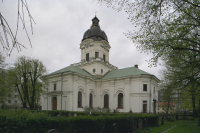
[(130, 71), (73, 69)]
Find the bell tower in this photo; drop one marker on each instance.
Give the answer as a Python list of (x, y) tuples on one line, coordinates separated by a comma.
[(95, 51)]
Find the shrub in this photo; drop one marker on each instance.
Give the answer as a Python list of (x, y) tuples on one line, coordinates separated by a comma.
[(41, 121)]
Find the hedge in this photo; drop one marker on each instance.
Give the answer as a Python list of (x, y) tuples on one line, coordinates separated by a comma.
[(32, 122)]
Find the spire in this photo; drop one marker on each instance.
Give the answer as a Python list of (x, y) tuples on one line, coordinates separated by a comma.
[(95, 22)]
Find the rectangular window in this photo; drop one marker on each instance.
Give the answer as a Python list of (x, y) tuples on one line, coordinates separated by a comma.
[(96, 54), (15, 101), (54, 87), (144, 87), (154, 90), (87, 57), (104, 57), (15, 96), (9, 101), (144, 106)]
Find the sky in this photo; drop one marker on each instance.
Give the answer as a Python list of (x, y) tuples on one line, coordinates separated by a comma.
[(59, 28)]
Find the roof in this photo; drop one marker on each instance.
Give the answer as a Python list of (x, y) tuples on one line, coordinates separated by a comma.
[(72, 68), (130, 71), (95, 32)]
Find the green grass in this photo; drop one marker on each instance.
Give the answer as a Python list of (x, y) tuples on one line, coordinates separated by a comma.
[(185, 127), (182, 126)]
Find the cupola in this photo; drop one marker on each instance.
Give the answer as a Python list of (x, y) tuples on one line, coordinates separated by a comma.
[(95, 32)]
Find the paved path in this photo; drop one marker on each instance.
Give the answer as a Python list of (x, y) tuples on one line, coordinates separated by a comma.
[(168, 129)]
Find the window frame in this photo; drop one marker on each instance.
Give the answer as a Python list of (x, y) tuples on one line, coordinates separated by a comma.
[(96, 54), (120, 101), (91, 101), (87, 57), (79, 102), (106, 101), (54, 86), (104, 57), (144, 87)]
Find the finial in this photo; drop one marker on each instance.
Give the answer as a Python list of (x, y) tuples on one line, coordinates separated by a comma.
[(95, 14)]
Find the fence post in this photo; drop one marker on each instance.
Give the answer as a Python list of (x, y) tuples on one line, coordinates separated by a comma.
[(140, 124), (135, 126)]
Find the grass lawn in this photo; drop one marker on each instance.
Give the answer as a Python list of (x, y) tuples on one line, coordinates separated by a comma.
[(182, 126)]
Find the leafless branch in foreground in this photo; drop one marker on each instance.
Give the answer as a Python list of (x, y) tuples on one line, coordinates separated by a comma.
[(8, 39)]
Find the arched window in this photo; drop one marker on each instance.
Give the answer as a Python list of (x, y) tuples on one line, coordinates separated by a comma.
[(106, 101), (120, 100), (101, 70), (91, 101), (54, 103), (79, 99)]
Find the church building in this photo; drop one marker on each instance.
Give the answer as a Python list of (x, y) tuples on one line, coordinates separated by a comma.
[(94, 82)]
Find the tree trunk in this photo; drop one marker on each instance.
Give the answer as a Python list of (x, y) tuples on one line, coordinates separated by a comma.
[(199, 111), (193, 105), (23, 101)]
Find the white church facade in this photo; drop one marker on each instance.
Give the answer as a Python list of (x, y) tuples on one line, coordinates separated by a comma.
[(94, 82)]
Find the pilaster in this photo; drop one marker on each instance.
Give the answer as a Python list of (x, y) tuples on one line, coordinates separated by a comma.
[(111, 95), (127, 95)]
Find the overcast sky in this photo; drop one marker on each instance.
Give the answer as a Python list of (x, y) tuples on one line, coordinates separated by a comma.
[(59, 29)]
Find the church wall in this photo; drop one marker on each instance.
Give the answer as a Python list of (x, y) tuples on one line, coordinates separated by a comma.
[(96, 47), (134, 103), (92, 90), (49, 99), (104, 89), (135, 84), (65, 103), (79, 85), (127, 87), (98, 66), (58, 102), (44, 103), (119, 88), (131, 88)]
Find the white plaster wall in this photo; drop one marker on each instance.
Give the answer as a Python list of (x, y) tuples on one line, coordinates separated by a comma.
[(131, 88), (95, 48), (98, 66)]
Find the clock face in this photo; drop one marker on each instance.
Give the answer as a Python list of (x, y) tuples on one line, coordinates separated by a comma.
[(104, 46), (87, 45)]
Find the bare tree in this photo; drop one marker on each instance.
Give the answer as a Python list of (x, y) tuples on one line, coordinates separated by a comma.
[(8, 37)]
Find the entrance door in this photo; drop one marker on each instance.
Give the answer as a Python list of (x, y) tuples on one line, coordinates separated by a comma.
[(144, 106), (54, 103)]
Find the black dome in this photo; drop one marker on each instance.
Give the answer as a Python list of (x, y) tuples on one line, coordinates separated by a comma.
[(95, 32)]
